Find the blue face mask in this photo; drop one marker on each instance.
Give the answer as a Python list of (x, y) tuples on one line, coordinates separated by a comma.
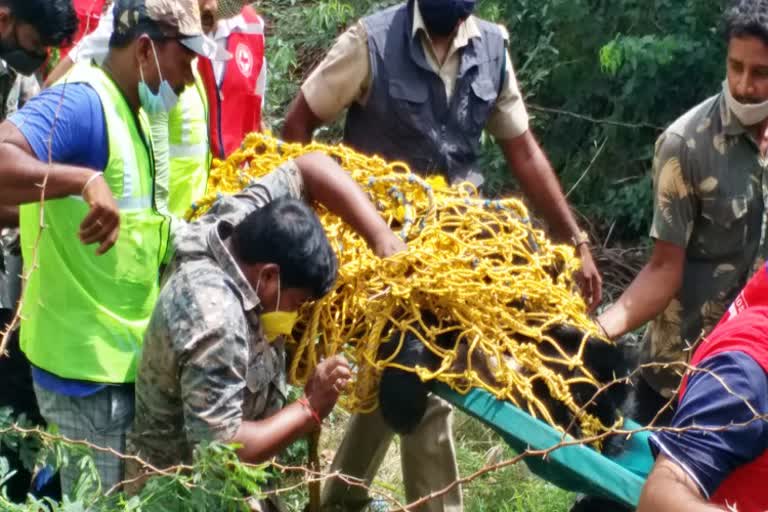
[(165, 99), (442, 16)]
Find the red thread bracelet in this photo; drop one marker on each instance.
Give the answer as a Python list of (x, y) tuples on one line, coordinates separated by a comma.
[(305, 402)]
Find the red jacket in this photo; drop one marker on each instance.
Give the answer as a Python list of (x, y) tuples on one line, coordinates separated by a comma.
[(88, 14), (235, 107), (745, 487)]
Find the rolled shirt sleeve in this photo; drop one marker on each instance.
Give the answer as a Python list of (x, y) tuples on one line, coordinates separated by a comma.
[(342, 78), (674, 203), (509, 118)]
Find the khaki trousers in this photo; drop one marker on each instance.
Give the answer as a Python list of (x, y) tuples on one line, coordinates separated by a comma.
[(427, 458)]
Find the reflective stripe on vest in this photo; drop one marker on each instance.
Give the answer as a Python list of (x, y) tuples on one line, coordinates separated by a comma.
[(188, 150), (126, 203), (84, 316), (253, 28), (189, 153)]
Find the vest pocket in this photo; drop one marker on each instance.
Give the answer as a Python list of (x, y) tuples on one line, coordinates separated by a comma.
[(484, 96), (262, 370), (725, 225), (138, 248), (408, 99)]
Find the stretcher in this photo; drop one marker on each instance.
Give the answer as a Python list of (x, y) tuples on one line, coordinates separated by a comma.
[(576, 468)]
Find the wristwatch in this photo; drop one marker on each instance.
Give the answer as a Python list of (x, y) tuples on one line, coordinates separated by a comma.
[(580, 238)]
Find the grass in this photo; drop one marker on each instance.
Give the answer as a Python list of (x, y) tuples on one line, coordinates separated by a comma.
[(512, 489)]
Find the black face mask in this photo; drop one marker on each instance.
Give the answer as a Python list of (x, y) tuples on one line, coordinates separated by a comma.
[(19, 59), (442, 16), (22, 61)]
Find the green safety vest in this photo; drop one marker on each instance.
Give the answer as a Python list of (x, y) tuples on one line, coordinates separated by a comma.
[(84, 316), (189, 152)]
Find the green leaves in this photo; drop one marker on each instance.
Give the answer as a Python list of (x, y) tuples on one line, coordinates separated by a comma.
[(219, 481)]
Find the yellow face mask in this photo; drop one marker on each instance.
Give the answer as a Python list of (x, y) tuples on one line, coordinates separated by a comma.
[(278, 323)]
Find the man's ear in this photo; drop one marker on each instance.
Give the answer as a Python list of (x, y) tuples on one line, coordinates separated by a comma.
[(143, 51), (270, 274), (265, 280)]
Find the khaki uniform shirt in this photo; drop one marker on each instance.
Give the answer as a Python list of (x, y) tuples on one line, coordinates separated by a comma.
[(344, 77), (206, 366), (709, 197)]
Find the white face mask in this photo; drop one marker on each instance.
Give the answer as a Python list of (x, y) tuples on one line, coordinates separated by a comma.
[(749, 114)]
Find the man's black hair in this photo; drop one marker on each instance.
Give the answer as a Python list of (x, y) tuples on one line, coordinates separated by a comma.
[(54, 20), (288, 233), (158, 32), (123, 39), (747, 18)]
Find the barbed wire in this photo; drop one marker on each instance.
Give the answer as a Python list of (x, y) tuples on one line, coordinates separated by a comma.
[(317, 475), (5, 334), (310, 475)]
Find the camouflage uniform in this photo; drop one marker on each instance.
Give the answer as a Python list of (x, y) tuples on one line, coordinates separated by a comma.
[(206, 365), (709, 197)]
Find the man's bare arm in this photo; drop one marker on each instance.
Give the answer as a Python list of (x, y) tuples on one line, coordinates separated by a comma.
[(539, 183), (649, 293), (330, 185), (23, 178), (670, 489), (300, 122), (263, 439), (22, 175)]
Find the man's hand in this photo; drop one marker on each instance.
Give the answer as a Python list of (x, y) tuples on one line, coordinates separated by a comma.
[(266, 438), (541, 187), (326, 384), (388, 244), (102, 224), (589, 279)]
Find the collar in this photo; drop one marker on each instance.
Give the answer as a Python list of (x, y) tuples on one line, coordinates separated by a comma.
[(221, 231), (467, 30), (731, 125), (225, 27)]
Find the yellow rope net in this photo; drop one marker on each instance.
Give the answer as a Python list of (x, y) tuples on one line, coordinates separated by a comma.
[(477, 266)]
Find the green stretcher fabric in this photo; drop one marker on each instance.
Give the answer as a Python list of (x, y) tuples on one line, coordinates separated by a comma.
[(575, 468)]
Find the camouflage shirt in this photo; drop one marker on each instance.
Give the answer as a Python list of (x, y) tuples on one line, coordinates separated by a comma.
[(206, 365), (709, 196)]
